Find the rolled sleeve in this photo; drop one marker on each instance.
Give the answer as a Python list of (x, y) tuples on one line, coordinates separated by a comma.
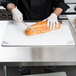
[(61, 4), (4, 3)]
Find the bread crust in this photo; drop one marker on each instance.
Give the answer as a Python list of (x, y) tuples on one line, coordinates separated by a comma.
[(40, 27)]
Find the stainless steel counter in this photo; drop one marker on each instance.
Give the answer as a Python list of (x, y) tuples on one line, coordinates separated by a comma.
[(39, 56)]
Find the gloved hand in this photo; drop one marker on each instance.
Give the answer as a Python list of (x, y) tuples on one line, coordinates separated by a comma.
[(17, 15), (52, 20)]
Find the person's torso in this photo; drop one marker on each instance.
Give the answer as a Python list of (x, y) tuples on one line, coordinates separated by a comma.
[(35, 9)]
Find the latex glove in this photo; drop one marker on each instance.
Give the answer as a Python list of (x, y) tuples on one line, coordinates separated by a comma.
[(17, 15), (52, 20)]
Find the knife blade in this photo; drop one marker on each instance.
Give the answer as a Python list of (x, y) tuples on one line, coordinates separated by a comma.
[(28, 26)]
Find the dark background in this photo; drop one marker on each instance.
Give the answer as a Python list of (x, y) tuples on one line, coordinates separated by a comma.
[(0, 1)]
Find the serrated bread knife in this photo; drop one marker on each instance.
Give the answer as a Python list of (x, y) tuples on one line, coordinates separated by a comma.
[(28, 26)]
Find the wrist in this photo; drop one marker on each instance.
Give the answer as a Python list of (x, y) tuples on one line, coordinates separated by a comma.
[(58, 11), (11, 6)]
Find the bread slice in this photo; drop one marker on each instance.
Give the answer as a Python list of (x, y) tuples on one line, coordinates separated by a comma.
[(39, 28)]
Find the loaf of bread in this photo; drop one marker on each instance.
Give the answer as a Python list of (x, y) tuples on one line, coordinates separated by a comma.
[(75, 23), (39, 28)]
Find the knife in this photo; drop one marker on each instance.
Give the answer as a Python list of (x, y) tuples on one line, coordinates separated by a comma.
[(28, 26)]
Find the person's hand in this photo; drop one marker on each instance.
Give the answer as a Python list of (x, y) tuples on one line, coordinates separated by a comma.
[(17, 15), (52, 21)]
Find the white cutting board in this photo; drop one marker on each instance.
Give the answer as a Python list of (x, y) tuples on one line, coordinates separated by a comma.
[(15, 36), (72, 19)]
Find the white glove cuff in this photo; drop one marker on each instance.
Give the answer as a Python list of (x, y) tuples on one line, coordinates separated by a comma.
[(53, 14), (15, 9)]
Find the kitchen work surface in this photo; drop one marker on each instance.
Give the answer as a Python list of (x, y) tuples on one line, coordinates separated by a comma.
[(15, 36), (50, 74), (37, 56), (72, 21)]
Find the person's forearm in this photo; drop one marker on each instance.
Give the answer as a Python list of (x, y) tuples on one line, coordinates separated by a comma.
[(11, 6), (58, 11)]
